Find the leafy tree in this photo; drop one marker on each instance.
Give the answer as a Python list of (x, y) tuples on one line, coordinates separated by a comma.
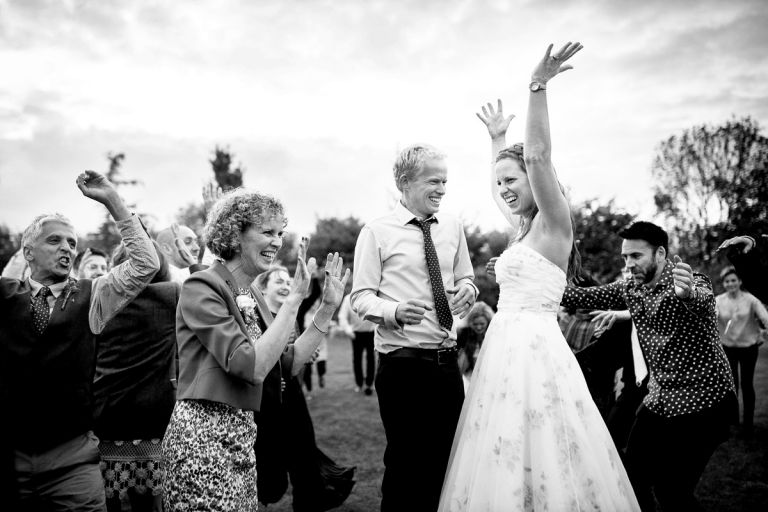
[(9, 244), (107, 237), (710, 183), (193, 214), (225, 176), (482, 247), (596, 232), (335, 235), (287, 254)]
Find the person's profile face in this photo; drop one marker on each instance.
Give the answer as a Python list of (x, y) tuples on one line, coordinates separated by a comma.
[(424, 191), (189, 239)]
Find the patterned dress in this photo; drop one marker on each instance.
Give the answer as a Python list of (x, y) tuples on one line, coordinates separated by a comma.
[(530, 437), (209, 457)]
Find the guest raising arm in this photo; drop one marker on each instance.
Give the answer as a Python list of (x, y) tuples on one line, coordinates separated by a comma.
[(47, 349)]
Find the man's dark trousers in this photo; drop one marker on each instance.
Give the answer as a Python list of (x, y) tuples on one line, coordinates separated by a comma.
[(420, 402), (363, 342), (668, 455)]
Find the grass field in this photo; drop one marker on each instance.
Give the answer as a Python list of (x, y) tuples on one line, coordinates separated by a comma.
[(349, 430)]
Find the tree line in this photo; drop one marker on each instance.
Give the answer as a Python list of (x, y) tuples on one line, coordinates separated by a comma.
[(710, 183)]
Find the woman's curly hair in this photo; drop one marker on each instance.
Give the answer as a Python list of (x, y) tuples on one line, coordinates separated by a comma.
[(233, 214)]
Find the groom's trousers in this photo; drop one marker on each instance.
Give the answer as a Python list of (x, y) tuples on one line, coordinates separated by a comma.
[(420, 401)]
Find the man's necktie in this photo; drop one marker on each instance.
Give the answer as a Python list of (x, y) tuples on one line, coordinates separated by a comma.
[(41, 310), (435, 277)]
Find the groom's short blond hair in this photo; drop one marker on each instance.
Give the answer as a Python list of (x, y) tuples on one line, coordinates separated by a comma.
[(412, 159)]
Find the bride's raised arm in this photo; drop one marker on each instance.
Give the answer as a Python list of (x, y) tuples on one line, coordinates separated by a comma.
[(553, 206), (497, 125)]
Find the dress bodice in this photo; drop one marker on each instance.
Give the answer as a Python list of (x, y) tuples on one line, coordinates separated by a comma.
[(528, 281)]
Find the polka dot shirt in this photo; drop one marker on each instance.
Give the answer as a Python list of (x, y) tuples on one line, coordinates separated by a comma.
[(688, 368)]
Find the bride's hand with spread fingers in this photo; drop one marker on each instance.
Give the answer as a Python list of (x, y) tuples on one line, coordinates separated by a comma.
[(553, 63), (494, 120)]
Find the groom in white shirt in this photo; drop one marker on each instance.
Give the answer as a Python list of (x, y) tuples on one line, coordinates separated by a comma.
[(412, 276)]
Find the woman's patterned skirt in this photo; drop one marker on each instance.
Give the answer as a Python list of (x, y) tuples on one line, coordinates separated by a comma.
[(209, 458)]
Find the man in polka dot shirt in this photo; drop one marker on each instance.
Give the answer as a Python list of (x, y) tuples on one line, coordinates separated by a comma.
[(684, 417)]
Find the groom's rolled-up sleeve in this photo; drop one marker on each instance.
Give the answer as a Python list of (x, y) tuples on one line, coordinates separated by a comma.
[(463, 273), (365, 300)]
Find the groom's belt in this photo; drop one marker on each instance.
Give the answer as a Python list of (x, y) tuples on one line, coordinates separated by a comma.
[(439, 356)]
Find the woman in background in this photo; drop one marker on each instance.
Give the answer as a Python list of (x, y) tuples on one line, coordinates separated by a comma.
[(470, 338), (738, 312), (286, 442)]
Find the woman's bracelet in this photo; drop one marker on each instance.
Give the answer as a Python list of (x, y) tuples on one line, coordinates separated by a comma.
[(316, 327)]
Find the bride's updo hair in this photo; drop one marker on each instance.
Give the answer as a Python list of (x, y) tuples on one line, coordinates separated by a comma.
[(515, 152)]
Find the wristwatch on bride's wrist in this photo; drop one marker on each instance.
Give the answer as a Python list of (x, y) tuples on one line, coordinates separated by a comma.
[(536, 86)]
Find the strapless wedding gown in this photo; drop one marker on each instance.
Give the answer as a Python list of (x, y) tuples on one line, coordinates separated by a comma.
[(530, 436)]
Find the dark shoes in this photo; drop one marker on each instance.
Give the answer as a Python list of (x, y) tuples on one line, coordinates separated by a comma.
[(368, 391)]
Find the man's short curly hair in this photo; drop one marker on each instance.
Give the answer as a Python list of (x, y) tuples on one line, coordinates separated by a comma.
[(233, 214), (411, 160)]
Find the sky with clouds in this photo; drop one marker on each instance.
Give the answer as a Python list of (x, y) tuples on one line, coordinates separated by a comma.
[(315, 98)]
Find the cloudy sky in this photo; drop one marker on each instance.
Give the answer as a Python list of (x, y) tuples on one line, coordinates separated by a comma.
[(315, 98)]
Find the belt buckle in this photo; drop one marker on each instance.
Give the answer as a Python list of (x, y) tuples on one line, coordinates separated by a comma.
[(446, 356)]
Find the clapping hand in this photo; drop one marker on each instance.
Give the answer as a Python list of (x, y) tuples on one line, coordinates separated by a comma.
[(552, 64), (181, 247), (304, 270), (494, 120), (335, 282), (211, 193), (683, 278)]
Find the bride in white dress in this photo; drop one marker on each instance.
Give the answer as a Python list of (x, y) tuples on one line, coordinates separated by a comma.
[(530, 437)]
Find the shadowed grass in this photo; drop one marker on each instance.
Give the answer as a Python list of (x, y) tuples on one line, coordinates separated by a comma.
[(348, 429)]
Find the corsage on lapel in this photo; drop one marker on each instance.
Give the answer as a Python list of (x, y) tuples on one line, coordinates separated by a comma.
[(247, 306), (71, 288)]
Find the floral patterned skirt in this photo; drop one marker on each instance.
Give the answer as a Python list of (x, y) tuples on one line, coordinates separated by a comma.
[(209, 458), (530, 436)]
